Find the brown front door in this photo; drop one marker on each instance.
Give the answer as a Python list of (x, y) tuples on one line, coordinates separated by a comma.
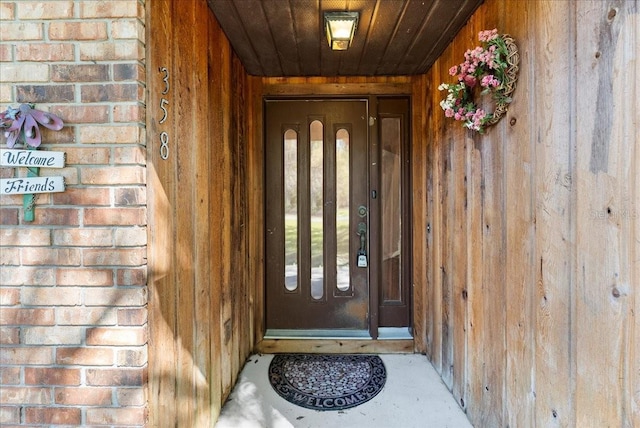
[(333, 209)]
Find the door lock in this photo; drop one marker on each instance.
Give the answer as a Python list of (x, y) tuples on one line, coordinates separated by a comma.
[(362, 252)]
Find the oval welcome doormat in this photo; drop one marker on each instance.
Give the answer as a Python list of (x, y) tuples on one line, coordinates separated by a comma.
[(327, 382)]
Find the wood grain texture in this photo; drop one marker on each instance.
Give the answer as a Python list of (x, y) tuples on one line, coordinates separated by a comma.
[(274, 346), (520, 229), (604, 217), (550, 218), (200, 332)]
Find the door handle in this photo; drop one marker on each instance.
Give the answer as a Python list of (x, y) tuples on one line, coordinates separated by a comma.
[(362, 252)]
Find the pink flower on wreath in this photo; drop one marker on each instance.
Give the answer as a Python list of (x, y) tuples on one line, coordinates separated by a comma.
[(26, 119), (489, 81), (488, 35), (475, 119), (453, 70), (470, 81), (449, 112)]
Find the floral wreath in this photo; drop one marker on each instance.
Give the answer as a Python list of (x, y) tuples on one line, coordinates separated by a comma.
[(491, 68)]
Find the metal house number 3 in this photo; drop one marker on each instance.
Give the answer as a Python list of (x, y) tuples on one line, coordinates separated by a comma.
[(164, 136)]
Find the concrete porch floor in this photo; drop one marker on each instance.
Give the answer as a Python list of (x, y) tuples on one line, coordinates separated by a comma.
[(413, 397)]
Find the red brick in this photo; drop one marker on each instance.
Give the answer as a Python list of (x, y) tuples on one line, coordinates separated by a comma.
[(116, 297), (121, 50), (84, 396), (117, 416), (20, 31), (6, 53), (113, 336), (51, 296), (50, 256), (27, 355), (6, 172), (23, 316), (87, 156), (57, 216), (66, 135), (136, 276), (20, 275), (45, 93), (127, 29), (9, 335), (122, 9), (10, 256), (129, 113), (22, 72), (9, 216), (109, 93), (86, 316), (82, 114), (83, 196), (115, 377), (132, 316), (87, 30), (7, 11), (9, 415), (9, 296), (128, 72), (85, 277), (9, 375), (45, 10), (85, 356), (45, 52), (130, 196), (51, 376), (79, 72), (131, 397), (7, 200), (113, 175), (130, 155), (53, 335), (114, 257), (83, 237), (131, 237), (132, 357), (53, 415), (115, 216), (25, 395), (110, 134), (70, 176), (24, 237)]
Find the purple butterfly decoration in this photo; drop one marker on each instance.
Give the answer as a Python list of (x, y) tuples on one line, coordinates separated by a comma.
[(26, 119)]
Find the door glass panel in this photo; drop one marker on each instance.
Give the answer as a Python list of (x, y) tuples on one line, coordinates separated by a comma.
[(291, 209), (342, 209), (316, 200), (390, 199)]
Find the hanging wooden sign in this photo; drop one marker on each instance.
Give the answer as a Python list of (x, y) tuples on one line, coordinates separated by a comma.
[(22, 125), (28, 185), (32, 158)]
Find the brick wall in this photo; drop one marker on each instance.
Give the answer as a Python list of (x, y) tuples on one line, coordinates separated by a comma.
[(73, 320)]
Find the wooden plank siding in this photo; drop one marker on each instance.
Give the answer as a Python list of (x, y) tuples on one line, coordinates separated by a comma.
[(526, 241), (200, 275), (533, 251)]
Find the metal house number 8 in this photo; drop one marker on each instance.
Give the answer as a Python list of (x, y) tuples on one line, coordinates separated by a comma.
[(164, 136)]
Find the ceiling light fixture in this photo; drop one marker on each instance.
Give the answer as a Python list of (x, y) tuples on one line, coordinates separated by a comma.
[(340, 28)]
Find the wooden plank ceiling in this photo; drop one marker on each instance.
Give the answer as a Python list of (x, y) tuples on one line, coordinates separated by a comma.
[(394, 37)]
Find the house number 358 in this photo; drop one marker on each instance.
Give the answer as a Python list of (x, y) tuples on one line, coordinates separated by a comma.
[(164, 103)]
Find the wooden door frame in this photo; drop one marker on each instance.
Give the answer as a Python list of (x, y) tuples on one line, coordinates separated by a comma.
[(282, 87)]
